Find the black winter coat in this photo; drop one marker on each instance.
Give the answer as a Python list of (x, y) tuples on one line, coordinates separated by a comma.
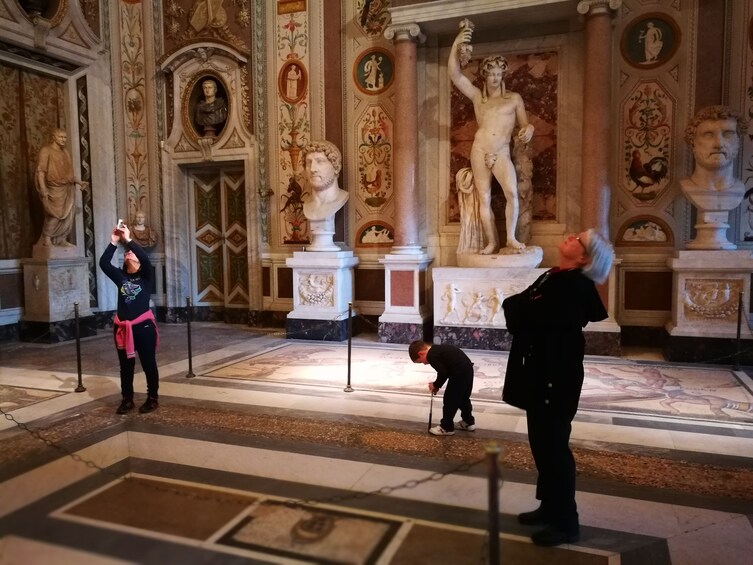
[(546, 357)]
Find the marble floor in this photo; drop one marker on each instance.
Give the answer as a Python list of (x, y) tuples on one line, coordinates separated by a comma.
[(258, 454)]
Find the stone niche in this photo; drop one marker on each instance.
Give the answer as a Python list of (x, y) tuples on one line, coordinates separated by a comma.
[(190, 145)]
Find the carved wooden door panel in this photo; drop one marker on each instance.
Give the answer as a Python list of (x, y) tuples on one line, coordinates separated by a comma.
[(220, 262)]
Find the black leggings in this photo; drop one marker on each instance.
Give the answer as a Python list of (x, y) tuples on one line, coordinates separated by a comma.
[(145, 344)]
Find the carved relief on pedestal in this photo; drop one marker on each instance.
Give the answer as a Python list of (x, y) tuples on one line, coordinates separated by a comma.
[(474, 306), (316, 289), (712, 298)]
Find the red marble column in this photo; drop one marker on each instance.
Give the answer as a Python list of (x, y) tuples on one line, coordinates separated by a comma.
[(595, 189), (405, 38)]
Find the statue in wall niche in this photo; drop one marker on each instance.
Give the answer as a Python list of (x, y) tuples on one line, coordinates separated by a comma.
[(56, 185), (145, 236), (322, 163), (714, 136), (498, 111), (211, 112)]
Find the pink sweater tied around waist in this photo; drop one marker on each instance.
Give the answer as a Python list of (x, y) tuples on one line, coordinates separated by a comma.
[(124, 332)]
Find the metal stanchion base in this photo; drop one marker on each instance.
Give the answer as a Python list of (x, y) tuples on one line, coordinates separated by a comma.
[(348, 389), (190, 375), (80, 388)]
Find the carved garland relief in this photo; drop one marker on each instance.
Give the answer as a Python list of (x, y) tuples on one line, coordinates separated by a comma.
[(712, 299)]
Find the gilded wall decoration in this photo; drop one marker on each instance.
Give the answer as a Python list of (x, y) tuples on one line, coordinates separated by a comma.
[(650, 40), (294, 123), (644, 231), (90, 9), (372, 17), (535, 76), (647, 117), (226, 21), (222, 21)]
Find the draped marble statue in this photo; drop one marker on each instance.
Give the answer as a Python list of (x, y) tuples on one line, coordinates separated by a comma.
[(56, 185)]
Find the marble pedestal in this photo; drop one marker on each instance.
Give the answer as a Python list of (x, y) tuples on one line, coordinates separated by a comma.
[(706, 287), (406, 315), (322, 290), (468, 309), (52, 287), (468, 304)]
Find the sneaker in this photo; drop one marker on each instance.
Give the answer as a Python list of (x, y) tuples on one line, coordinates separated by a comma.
[(150, 405), (461, 425), (126, 406), (438, 431)]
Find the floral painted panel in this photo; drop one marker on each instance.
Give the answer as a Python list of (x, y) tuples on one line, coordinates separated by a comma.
[(647, 116), (374, 135)]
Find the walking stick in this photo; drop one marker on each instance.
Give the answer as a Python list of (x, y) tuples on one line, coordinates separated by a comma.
[(431, 409)]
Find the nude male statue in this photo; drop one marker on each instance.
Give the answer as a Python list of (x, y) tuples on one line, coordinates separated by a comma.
[(497, 111)]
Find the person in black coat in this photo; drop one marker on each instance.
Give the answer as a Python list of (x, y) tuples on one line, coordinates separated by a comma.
[(135, 329), (455, 368), (545, 373)]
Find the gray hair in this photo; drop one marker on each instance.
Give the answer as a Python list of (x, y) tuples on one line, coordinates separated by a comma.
[(601, 256)]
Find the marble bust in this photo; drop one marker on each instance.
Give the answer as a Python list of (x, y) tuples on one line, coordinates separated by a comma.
[(322, 163), (714, 136)]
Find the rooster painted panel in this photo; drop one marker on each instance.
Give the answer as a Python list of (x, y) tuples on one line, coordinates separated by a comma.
[(647, 118), (374, 134)]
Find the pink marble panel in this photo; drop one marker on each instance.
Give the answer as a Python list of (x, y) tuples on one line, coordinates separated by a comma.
[(401, 288)]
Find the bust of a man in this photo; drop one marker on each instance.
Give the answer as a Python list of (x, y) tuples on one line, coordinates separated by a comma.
[(322, 163), (714, 136), (212, 110)]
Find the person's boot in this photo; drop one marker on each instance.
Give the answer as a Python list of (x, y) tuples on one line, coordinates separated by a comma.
[(150, 405), (534, 517), (126, 405)]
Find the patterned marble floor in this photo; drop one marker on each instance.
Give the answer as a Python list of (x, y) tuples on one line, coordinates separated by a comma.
[(263, 458)]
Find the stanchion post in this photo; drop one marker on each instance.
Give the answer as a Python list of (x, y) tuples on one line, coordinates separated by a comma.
[(349, 388), (190, 373), (739, 322), (492, 456), (80, 387)]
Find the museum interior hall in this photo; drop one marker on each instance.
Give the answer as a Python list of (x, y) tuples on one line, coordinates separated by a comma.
[(296, 190)]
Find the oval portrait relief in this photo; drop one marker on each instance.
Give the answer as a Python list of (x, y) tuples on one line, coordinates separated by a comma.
[(292, 82), (650, 40), (373, 71)]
